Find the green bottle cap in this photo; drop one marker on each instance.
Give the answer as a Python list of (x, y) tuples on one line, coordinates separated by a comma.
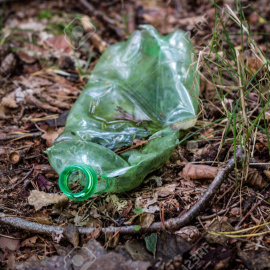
[(90, 182)]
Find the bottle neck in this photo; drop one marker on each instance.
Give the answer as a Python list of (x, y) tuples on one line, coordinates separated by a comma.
[(78, 176)]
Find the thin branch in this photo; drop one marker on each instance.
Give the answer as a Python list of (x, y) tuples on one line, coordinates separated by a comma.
[(259, 165), (171, 224), (20, 181), (14, 137)]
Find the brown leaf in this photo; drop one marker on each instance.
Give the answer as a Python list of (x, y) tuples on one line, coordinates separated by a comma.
[(166, 190), (9, 102), (40, 199), (267, 174), (254, 64), (255, 259), (148, 201), (66, 62), (127, 209), (60, 43), (9, 243), (254, 179), (189, 233), (170, 205), (112, 239), (26, 57), (11, 261), (144, 219), (169, 246), (137, 250), (30, 68), (216, 227), (29, 241), (8, 65), (72, 234), (195, 172), (51, 134), (95, 234), (154, 15)]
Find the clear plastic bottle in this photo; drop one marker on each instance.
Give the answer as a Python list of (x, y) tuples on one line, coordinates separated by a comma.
[(141, 91)]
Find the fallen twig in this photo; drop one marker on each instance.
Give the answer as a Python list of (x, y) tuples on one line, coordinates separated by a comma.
[(247, 214), (219, 212), (258, 165), (171, 224), (20, 181), (18, 136)]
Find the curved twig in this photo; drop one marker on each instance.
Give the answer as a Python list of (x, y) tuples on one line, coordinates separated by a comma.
[(171, 224)]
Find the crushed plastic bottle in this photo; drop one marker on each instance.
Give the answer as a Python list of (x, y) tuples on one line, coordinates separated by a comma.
[(142, 91)]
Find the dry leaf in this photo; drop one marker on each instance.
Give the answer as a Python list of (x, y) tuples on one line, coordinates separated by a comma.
[(11, 261), (217, 227), (8, 65), (40, 199), (29, 241), (9, 243), (189, 233), (9, 102), (119, 204), (147, 201), (95, 234), (112, 239), (51, 134), (60, 43), (166, 190), (72, 234), (26, 57), (144, 220), (254, 64), (267, 174), (194, 172), (254, 179), (235, 211), (170, 205)]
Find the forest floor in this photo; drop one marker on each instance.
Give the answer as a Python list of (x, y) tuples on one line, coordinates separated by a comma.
[(42, 74)]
